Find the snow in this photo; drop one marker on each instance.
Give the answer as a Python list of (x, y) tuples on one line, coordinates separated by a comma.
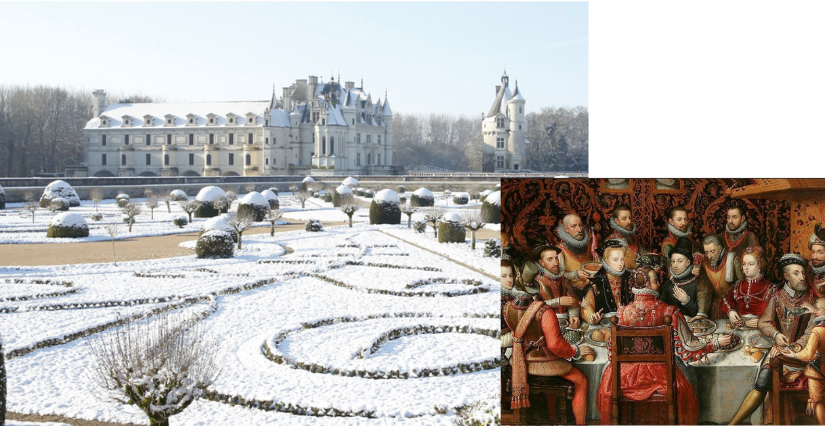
[(494, 198), (122, 197), (210, 194), (526, 140), (256, 198), (217, 222), (179, 111), (452, 217), (1, 190), (343, 190), (178, 193), (269, 194), (68, 220), (423, 193), (386, 196), (350, 181), (487, 192), (308, 179), (61, 189)]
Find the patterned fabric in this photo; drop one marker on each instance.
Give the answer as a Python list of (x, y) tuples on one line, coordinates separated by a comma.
[(749, 297)]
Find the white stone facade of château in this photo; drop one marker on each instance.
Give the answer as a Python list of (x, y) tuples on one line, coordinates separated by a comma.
[(313, 128), (504, 130)]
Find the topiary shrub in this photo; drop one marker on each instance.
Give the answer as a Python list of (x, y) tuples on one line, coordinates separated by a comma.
[(491, 208), (126, 219), (384, 208), (327, 197), (180, 221), (97, 217), (272, 199), (220, 223), (2, 198), (207, 198), (59, 205), (178, 195), (420, 226), (360, 192), (350, 182), (59, 189), (369, 194), (122, 200), (341, 196), (461, 198), (215, 244), (401, 189), (313, 225), (450, 229), (492, 248), (67, 225), (403, 200), (306, 184), (254, 204), (274, 191), (484, 194), (422, 197)]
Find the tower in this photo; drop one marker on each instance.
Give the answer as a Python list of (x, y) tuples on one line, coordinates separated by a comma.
[(518, 128), (387, 116), (99, 104)]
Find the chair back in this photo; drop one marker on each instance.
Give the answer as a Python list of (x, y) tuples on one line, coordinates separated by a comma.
[(643, 345)]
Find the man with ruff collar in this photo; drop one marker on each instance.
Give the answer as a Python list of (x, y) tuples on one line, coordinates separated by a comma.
[(624, 229), (677, 227), (553, 287), (736, 235), (575, 250), (690, 293), (718, 269), (812, 349), (609, 288), (778, 323), (816, 269)]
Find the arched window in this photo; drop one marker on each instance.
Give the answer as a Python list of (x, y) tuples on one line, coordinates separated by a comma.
[(248, 160), (323, 145), (123, 159), (166, 159), (331, 145), (208, 159)]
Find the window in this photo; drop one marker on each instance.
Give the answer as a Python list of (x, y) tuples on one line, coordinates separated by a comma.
[(166, 159), (500, 143), (515, 166), (103, 140), (191, 121), (267, 161), (323, 121), (123, 159), (519, 110), (168, 121), (148, 140), (379, 139), (231, 139), (126, 140), (519, 126), (103, 159), (313, 138), (369, 158), (315, 116), (499, 122), (274, 160), (231, 120), (266, 141), (369, 138), (274, 141), (211, 120), (251, 139), (267, 123), (248, 160), (231, 159), (323, 145), (353, 121), (191, 139), (148, 159), (191, 159), (208, 159), (331, 145), (357, 138), (379, 160), (358, 159), (500, 162), (168, 139)]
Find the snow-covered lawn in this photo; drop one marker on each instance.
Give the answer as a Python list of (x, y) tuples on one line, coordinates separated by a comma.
[(354, 322)]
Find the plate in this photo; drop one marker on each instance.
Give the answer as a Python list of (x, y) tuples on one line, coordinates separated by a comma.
[(605, 322), (590, 340), (735, 348), (760, 342), (578, 332), (702, 326)]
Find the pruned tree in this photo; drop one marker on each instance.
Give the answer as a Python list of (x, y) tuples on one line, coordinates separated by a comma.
[(472, 222), (294, 189), (31, 206), (433, 215), (241, 222), (96, 195), (409, 211), (152, 204), (349, 209), (168, 200), (131, 210), (161, 365), (273, 217), (113, 230), (447, 195), (189, 207), (231, 196), (303, 197), (222, 204)]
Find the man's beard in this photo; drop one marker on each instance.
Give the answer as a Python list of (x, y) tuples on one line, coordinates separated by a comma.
[(820, 265), (801, 286), (739, 229), (715, 262)]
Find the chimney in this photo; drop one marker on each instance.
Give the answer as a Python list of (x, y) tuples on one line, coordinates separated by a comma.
[(286, 99), (349, 85), (313, 81), (498, 87), (99, 103)]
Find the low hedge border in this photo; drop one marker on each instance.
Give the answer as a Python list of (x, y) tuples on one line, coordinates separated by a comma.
[(400, 293)]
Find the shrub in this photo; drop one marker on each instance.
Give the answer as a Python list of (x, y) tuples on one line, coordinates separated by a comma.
[(401, 189), (126, 219), (420, 226), (215, 244), (313, 225), (450, 229), (484, 194), (491, 208), (402, 200), (59, 189), (67, 225), (327, 197), (178, 195), (384, 208), (97, 217), (208, 197), (422, 197), (350, 182), (492, 248), (180, 221), (59, 205), (342, 196), (122, 200), (220, 223), (306, 184), (360, 192), (461, 198), (369, 194), (274, 191), (255, 205), (272, 198)]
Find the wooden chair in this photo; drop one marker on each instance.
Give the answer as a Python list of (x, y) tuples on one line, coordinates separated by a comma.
[(642, 345), (788, 404), (555, 389)]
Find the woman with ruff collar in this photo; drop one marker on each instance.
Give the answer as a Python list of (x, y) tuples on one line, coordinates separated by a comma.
[(609, 288), (641, 380)]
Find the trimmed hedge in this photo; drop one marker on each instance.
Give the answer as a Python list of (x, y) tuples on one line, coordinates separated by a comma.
[(180, 221), (490, 213), (313, 225), (382, 213), (416, 201), (451, 232), (206, 209), (327, 197), (59, 204), (215, 244), (97, 217), (259, 212), (67, 232), (122, 200)]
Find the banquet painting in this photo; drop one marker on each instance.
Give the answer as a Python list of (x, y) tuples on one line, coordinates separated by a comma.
[(663, 301)]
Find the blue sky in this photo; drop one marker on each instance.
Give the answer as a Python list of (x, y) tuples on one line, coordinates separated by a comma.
[(431, 57)]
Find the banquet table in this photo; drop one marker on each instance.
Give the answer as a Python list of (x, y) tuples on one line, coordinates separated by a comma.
[(721, 382)]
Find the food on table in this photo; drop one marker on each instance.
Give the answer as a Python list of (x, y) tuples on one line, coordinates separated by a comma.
[(734, 341), (572, 336), (592, 267), (589, 357), (747, 350), (597, 336), (756, 356)]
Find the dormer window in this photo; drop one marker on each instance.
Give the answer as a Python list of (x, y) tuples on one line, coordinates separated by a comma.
[(148, 120), (251, 119), (231, 118), (104, 121), (499, 122), (170, 120), (212, 119), (127, 121), (191, 119)]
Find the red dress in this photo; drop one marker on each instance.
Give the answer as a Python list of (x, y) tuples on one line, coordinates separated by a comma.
[(748, 297), (641, 380)]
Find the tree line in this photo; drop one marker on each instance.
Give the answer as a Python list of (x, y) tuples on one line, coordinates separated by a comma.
[(41, 131)]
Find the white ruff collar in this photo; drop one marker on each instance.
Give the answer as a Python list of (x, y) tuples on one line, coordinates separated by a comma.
[(818, 270), (612, 271), (687, 272), (675, 231), (623, 232), (571, 242), (646, 291), (738, 230), (546, 272)]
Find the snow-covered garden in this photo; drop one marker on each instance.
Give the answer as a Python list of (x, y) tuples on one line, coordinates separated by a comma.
[(380, 324)]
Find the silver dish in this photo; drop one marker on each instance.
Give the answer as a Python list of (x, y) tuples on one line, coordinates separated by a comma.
[(579, 332), (589, 340), (702, 326), (760, 342)]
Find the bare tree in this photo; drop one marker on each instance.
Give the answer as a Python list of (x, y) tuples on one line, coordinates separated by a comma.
[(274, 215), (241, 222), (152, 204), (447, 195), (222, 204), (303, 197), (294, 189), (160, 365), (472, 221), (113, 230), (130, 211), (189, 207), (349, 209), (56, 205), (96, 196), (168, 200), (409, 211), (433, 215), (231, 196), (31, 206)]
